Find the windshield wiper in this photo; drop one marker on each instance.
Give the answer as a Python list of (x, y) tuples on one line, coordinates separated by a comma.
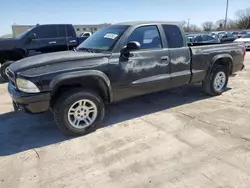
[(85, 50), (90, 50)]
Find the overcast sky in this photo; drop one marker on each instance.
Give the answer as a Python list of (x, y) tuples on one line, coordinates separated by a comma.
[(112, 11)]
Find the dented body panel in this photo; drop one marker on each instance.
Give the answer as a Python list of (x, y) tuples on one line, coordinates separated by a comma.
[(136, 73)]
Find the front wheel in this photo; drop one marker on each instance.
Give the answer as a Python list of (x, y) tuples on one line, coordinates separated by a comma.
[(79, 112), (216, 82)]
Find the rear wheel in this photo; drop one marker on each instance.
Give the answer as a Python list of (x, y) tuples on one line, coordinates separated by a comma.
[(216, 82), (79, 112)]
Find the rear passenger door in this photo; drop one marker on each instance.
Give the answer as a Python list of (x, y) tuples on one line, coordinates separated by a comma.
[(46, 39), (180, 56), (67, 39)]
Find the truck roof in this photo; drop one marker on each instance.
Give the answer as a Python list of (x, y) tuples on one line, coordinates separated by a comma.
[(146, 22)]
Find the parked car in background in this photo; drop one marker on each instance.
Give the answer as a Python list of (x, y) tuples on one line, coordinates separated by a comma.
[(116, 63), (225, 37), (235, 33), (85, 34), (201, 39), (246, 40), (241, 34), (38, 39)]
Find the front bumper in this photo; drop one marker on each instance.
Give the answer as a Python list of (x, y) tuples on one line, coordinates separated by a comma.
[(30, 103)]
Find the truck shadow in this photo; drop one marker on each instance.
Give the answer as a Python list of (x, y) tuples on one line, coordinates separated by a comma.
[(20, 132)]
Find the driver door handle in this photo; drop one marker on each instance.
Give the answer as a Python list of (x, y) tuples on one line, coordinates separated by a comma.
[(165, 58), (52, 42)]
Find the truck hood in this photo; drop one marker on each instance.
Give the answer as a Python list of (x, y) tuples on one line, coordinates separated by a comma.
[(52, 59), (8, 43)]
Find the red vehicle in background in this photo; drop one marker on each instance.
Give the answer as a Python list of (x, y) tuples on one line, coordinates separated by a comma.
[(241, 34)]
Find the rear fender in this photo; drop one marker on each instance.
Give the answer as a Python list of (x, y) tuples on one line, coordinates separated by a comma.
[(217, 58)]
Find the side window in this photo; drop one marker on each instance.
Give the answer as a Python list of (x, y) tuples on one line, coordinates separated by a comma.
[(86, 34), (61, 31), (205, 38), (44, 32), (70, 31), (198, 38), (173, 36), (208, 38), (147, 36)]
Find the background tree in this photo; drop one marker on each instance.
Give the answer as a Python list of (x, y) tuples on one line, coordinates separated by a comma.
[(207, 26), (243, 21), (194, 28), (219, 25)]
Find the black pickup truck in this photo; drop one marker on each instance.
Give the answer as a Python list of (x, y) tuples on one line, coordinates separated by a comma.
[(38, 39), (115, 63)]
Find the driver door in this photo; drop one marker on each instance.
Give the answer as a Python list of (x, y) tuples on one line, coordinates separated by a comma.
[(144, 70), (46, 39)]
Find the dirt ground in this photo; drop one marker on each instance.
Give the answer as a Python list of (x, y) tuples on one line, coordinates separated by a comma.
[(177, 138)]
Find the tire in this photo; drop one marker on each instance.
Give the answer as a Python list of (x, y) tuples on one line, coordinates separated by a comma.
[(67, 101), (209, 84), (2, 71)]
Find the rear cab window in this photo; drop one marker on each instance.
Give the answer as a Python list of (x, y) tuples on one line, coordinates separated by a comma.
[(173, 35)]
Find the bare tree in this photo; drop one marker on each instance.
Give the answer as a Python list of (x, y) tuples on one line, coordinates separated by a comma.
[(194, 28), (219, 24), (243, 20), (207, 26)]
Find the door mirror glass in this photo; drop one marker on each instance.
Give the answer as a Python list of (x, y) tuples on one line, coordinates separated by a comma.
[(133, 45), (32, 36)]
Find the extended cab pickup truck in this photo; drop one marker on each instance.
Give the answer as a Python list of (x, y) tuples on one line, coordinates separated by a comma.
[(38, 39), (115, 63)]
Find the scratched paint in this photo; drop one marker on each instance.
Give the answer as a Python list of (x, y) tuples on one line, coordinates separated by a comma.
[(136, 66), (180, 60)]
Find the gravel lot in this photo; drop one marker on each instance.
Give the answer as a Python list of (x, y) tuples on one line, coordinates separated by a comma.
[(177, 138)]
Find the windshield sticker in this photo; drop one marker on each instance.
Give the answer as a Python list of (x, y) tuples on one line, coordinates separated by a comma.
[(110, 36)]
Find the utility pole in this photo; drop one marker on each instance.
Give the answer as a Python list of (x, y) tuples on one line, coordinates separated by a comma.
[(226, 15), (188, 25)]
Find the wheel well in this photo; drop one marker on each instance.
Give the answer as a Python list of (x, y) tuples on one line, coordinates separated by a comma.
[(89, 82), (225, 62), (11, 55)]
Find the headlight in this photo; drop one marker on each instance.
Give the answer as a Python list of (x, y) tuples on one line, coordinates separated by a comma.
[(26, 86)]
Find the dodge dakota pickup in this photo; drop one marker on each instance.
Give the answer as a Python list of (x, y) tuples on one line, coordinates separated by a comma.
[(117, 62), (38, 39)]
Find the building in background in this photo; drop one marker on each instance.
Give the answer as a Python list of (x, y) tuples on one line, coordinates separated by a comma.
[(19, 29)]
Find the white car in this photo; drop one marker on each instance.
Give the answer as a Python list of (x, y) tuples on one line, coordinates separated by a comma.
[(245, 39)]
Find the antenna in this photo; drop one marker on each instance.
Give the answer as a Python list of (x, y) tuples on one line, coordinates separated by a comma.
[(66, 36)]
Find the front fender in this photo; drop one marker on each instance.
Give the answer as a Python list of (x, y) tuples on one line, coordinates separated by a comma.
[(59, 80)]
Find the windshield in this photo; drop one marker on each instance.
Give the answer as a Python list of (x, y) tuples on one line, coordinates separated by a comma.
[(24, 33), (246, 36), (104, 39)]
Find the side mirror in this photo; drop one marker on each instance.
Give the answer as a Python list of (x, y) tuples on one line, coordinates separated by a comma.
[(32, 36), (133, 45)]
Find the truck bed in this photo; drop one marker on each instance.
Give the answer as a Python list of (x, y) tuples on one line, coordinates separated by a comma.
[(205, 55)]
